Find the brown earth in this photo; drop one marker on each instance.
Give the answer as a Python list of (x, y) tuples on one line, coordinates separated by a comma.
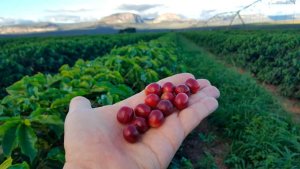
[(194, 148), (290, 104)]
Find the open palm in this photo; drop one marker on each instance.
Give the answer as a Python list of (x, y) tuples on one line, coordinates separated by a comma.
[(94, 139)]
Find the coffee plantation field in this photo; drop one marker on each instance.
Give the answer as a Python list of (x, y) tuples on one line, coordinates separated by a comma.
[(28, 56), (250, 129), (272, 56)]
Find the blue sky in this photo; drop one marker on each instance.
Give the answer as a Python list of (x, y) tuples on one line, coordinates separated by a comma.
[(34, 9), (82, 10)]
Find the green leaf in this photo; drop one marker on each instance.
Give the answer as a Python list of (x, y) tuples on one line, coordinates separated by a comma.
[(9, 139), (52, 80), (56, 154), (9, 122), (5, 119), (7, 163), (52, 121), (84, 84), (122, 90), (1, 109), (110, 99), (106, 99), (98, 89), (58, 130), (101, 86), (37, 112), (48, 119), (61, 102), (27, 140), (16, 88), (23, 165)]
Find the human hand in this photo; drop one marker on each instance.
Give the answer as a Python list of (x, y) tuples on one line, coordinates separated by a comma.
[(94, 140)]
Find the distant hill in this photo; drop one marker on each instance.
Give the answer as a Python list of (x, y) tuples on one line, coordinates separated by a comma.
[(122, 18), (28, 28), (115, 22), (97, 30)]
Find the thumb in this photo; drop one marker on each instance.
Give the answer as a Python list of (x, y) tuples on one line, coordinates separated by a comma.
[(79, 103)]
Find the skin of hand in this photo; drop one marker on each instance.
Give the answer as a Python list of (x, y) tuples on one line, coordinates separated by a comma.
[(94, 140)]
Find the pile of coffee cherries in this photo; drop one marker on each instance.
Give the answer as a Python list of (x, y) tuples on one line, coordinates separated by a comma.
[(160, 102)]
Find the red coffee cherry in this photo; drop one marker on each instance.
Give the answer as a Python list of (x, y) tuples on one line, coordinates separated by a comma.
[(125, 115), (168, 96), (168, 87), (163, 104), (142, 110), (153, 88), (166, 107), (181, 101), (141, 124), (193, 85), (131, 134), (182, 89), (156, 118), (152, 100)]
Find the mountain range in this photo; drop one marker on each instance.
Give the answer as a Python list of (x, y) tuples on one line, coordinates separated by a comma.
[(123, 20)]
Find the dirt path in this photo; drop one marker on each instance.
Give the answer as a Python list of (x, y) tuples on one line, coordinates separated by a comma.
[(204, 147), (291, 105), (207, 147)]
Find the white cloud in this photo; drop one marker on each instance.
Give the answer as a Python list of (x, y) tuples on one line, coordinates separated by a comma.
[(96, 9), (69, 10), (138, 8), (63, 18)]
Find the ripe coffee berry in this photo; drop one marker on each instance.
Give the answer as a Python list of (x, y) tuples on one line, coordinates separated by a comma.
[(166, 107), (125, 115), (193, 85), (156, 118), (181, 101), (141, 124), (167, 96), (182, 89), (153, 88), (168, 87), (142, 110), (159, 103), (152, 100), (131, 134)]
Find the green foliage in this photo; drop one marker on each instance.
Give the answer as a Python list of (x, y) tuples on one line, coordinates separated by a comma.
[(183, 163), (268, 145), (207, 161), (27, 140), (22, 165), (186, 164), (208, 138), (7, 163), (272, 57), (34, 110), (28, 56), (9, 141), (260, 133)]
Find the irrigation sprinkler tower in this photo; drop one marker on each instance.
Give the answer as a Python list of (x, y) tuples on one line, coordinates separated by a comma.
[(233, 15)]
